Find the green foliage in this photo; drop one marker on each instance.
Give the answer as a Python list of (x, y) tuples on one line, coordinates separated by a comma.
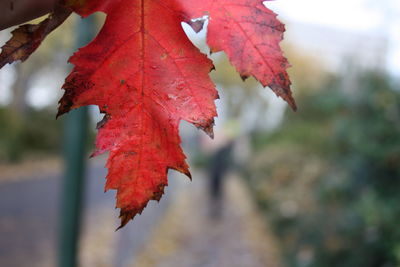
[(329, 180), (38, 133)]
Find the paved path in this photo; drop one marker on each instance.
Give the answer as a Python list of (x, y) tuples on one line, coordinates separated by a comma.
[(177, 232), (189, 237), (29, 216)]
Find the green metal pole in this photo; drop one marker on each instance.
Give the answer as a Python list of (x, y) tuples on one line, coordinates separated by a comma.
[(75, 136)]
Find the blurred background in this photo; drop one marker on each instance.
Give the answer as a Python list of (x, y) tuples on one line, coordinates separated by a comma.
[(316, 187)]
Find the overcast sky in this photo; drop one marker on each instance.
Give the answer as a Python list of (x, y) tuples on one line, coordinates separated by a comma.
[(380, 17)]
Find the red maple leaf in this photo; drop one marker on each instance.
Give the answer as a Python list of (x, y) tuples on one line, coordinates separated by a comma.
[(145, 75)]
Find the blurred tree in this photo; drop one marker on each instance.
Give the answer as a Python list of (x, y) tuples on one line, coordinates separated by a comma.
[(25, 133), (328, 179), (26, 127)]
